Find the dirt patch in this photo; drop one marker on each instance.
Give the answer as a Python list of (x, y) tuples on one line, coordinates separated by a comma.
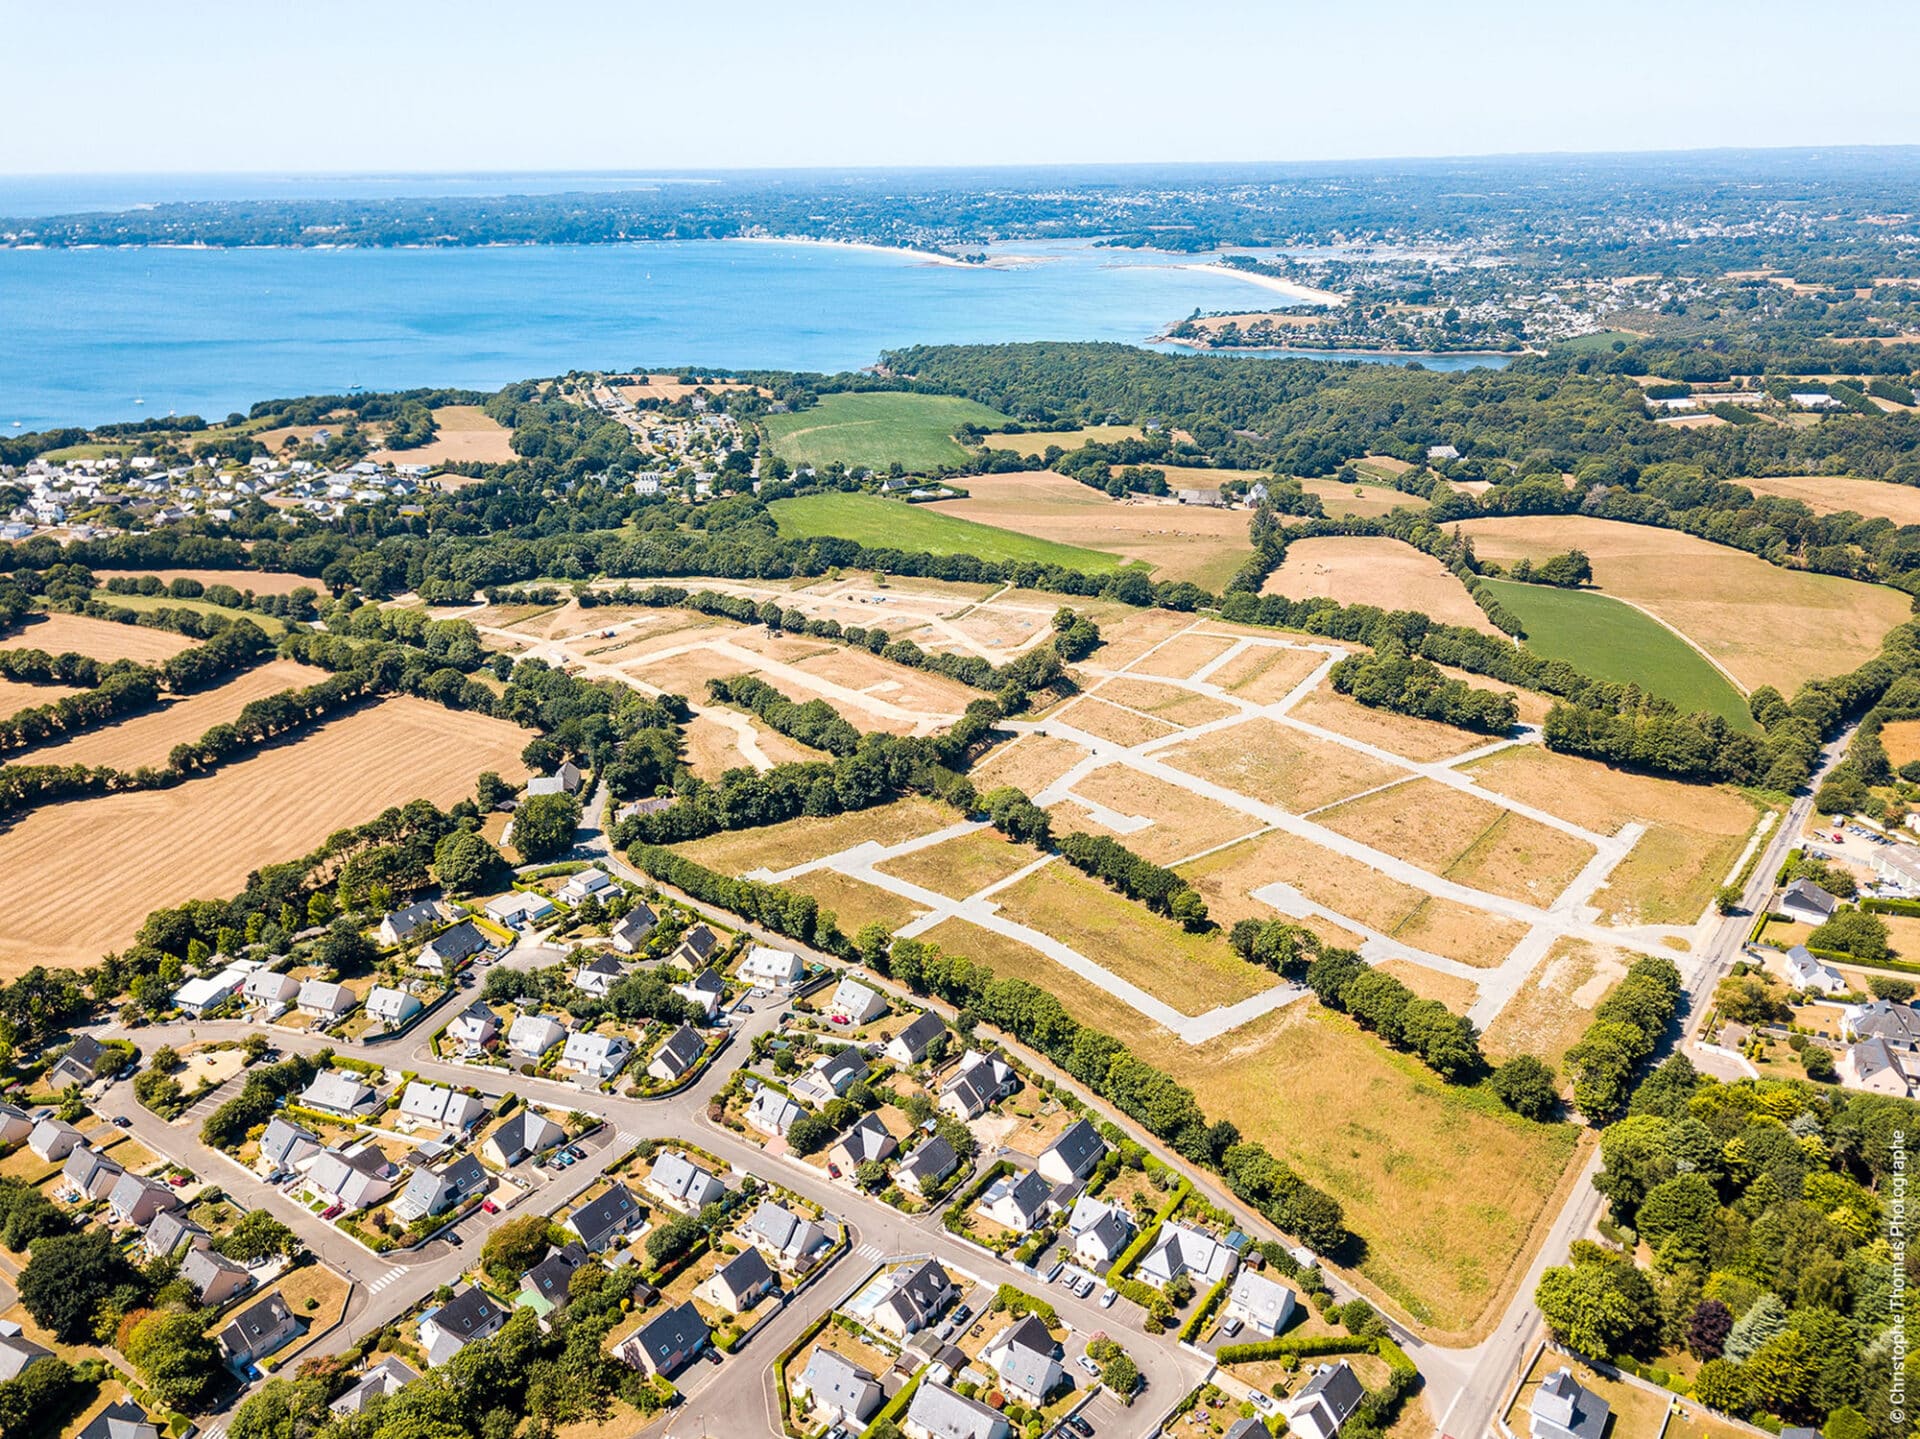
[(796, 841), (1183, 823), (1266, 674), (1110, 722), (1417, 739), (713, 747), (98, 639), (1030, 763), (963, 866), (1270, 761), (1180, 656), (1552, 1008), (1366, 571), (202, 838), (1167, 702)]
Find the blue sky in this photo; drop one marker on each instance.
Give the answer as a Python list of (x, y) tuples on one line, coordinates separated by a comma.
[(413, 85)]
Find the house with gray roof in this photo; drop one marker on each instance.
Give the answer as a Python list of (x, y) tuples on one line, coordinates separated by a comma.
[(923, 1169), (402, 925), (679, 1183), (387, 1377), (969, 1094), (445, 953), (1074, 1155), (393, 1008), (791, 1242), (214, 1277), (1878, 1067), (136, 1200), (125, 1420), (1026, 1360), (829, 1077), (1182, 1249), (171, 1230), (866, 1141), (704, 991), (15, 1124), (325, 1001), (666, 1342), (599, 1222), (548, 1281), (629, 932), (772, 1111), (89, 1174), (357, 1177), (1807, 902), (838, 1388), (1885, 1019), (1325, 1402), (1016, 1201), (336, 1092), (473, 1026), (80, 1064), (1562, 1408), (920, 1291), (468, 1316), (531, 1035), (524, 1134), (677, 1055), (741, 1282), (1264, 1305), (272, 993), (286, 1145), (595, 1056), (53, 1139), (909, 1046), (938, 1412), (17, 1352), (435, 1191), (441, 1106), (599, 974), (259, 1329)]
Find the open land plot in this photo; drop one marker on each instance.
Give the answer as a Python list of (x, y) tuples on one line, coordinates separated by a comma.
[(273, 626), (713, 747), (1179, 542), (1833, 494), (1183, 823), (16, 696), (1272, 762), (1611, 640), (963, 866), (1171, 703), (1266, 674), (1191, 972), (1458, 1184), (1111, 722), (1463, 838), (1035, 442), (1126, 637), (1360, 501), (893, 524), (855, 903), (1030, 763), (1457, 994), (798, 841), (1552, 1008), (1765, 624), (918, 690), (878, 429), (260, 582), (145, 739), (1417, 739), (1368, 571), (1180, 656), (669, 388), (1531, 705), (98, 639), (1901, 740), (467, 434), (202, 838)]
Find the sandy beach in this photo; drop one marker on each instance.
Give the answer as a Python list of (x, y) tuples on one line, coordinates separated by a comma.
[(1299, 294), (927, 257)]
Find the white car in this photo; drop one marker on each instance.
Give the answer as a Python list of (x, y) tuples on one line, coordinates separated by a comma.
[(1107, 1296), (1088, 1365)]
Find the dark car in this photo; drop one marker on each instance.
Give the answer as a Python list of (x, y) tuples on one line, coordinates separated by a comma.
[(1080, 1426), (453, 1238)]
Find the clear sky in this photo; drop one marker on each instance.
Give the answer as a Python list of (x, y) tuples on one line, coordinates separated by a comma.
[(109, 86)]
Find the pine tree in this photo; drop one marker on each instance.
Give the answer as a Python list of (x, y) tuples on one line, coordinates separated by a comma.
[(1767, 1318)]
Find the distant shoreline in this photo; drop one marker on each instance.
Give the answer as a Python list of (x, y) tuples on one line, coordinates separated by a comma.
[(930, 257), (1292, 289), (1206, 349)]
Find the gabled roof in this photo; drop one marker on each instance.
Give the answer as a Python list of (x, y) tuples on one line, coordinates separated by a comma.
[(701, 940), (932, 1161), (17, 1352), (200, 1267), (325, 996), (868, 1139), (944, 1414), (676, 1331), (383, 1379), (469, 1315), (783, 1230), (332, 1089), (1026, 1192), (833, 1381), (125, 1420), (1266, 1302), (744, 1273), (526, 1130), (169, 1229), (598, 1218), (552, 1275), (676, 1175), (457, 943), (1336, 1387), (404, 922), (1884, 1019), (1079, 1148), (259, 1323), (919, 1034), (681, 1051), (974, 1089), (1811, 894)]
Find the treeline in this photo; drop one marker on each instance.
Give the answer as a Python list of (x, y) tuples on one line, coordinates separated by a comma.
[(1446, 1042), (259, 1097), (1390, 678), (816, 723), (1626, 1029), (37, 667), (784, 911), (1155, 886)]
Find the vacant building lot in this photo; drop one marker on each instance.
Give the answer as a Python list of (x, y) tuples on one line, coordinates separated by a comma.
[(1416, 739), (1180, 823), (201, 839), (1029, 763), (778, 847), (1553, 1007), (1280, 765), (1765, 624), (467, 435), (1111, 722), (714, 745), (98, 639), (1366, 571), (1171, 703), (963, 866), (1266, 674), (1180, 656), (854, 903)]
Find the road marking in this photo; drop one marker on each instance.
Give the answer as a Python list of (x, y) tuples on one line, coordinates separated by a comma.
[(626, 1137), (869, 1251), (385, 1279)]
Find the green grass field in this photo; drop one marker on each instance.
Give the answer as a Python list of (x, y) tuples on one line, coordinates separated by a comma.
[(1614, 641), (274, 628), (878, 429), (894, 524)]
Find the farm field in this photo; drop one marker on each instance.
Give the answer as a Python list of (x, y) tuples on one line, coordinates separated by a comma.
[(1612, 640), (880, 523), (145, 739), (1831, 494), (1765, 624), (468, 434), (271, 626), (260, 582), (277, 805), (16, 696), (1369, 571), (876, 430), (99, 639), (1035, 442), (796, 841), (1901, 739), (1179, 542)]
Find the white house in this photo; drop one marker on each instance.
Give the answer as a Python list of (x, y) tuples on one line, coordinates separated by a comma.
[(677, 1054), (402, 925), (705, 991), (1264, 1305), (771, 1111), (1016, 1201), (519, 909), (741, 1283), (771, 967), (207, 992), (838, 1388), (468, 1316), (588, 882), (355, 1178), (325, 1001), (923, 1169), (598, 975), (474, 1027), (784, 1237), (1807, 902), (854, 1004), (937, 1412), (526, 1132), (1025, 1359), (1806, 972), (1184, 1250), (271, 993), (910, 1045), (334, 1092), (532, 1035), (629, 932), (391, 1007), (594, 1056), (1325, 1402), (1563, 1408), (441, 1106), (829, 1077), (1099, 1232), (679, 1183), (1074, 1155)]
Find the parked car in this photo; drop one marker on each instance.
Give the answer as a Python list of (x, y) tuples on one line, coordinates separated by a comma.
[(1088, 1365), (963, 1314), (120, 1121), (1230, 1328), (453, 1238), (1107, 1296), (1054, 1273), (487, 1206), (1079, 1425)]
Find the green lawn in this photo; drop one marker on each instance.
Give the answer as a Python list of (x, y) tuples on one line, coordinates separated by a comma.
[(1614, 641), (877, 429), (870, 520), (274, 628)]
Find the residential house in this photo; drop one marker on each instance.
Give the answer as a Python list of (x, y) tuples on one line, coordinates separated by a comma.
[(214, 1277), (1885, 1019), (565, 780), (15, 1124), (207, 992), (741, 1283), (630, 931), (1016, 1201), (679, 1183), (1248, 1429), (867, 1141), (17, 1352), (525, 1133), (1264, 1305), (1808, 973), (136, 1200), (53, 1139), (546, 1284), (697, 946), (1878, 1067), (910, 1045), (389, 1376), (1562, 1408), (1898, 865), (1099, 1232), (589, 881), (1442, 452), (446, 952), (259, 1329), (920, 1292), (705, 990), (441, 1106), (125, 1420), (326, 1002), (520, 909), (772, 1111), (599, 974), (595, 1056), (474, 1027), (922, 1170), (1181, 1249), (665, 1343), (597, 1223), (1074, 1155), (938, 1412), (79, 1065), (435, 1191), (89, 1174), (1026, 1359), (402, 925), (1807, 902), (357, 1177), (791, 1242), (838, 1388), (771, 967), (391, 1007), (269, 992), (285, 1145), (1325, 1402), (170, 1231), (336, 1092), (969, 1094), (854, 1004), (829, 1077), (679, 1054), (531, 1035), (468, 1316)]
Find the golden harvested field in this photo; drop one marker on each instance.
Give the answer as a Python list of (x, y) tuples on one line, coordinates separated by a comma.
[(1457, 994), (1900, 738), (963, 866), (1553, 1007), (1191, 972), (202, 838), (1183, 823), (15, 696), (1459, 931), (1035, 442), (1365, 571), (714, 747), (261, 582), (1766, 625), (1029, 763), (1171, 703), (1465, 839), (1266, 674), (1126, 637), (1364, 501), (1830, 494), (1417, 739), (1180, 656), (1276, 763), (796, 841), (884, 680), (145, 739), (668, 388), (1110, 722), (1179, 542), (467, 434), (98, 639), (854, 902)]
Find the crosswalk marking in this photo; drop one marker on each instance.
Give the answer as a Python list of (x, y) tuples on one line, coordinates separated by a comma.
[(385, 1279), (869, 1251), (626, 1137)]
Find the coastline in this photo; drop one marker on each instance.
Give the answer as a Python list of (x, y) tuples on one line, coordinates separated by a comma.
[(1298, 293), (926, 257), (1201, 347)]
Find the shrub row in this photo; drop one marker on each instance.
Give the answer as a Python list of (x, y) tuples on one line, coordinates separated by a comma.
[(1625, 1029)]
